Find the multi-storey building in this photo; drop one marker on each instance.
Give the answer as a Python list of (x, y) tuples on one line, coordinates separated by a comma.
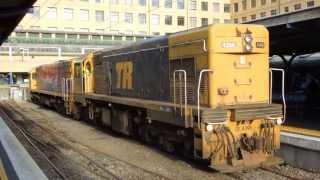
[(249, 10), (132, 17)]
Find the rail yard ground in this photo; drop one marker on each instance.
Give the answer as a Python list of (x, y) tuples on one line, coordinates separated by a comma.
[(68, 149)]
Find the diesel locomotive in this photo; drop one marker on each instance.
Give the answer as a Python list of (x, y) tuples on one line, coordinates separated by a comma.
[(203, 92)]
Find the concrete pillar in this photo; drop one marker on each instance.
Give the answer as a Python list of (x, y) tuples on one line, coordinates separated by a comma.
[(10, 53), (59, 52), (10, 78)]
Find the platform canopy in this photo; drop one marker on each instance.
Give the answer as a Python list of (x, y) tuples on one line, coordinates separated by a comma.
[(11, 13), (293, 33)]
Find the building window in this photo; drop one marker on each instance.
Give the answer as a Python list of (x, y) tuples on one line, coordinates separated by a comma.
[(142, 18), (35, 11), (226, 8), (128, 2), (100, 31), (263, 2), (235, 7), (180, 20), (100, 16), (180, 4), (31, 27), (286, 9), (68, 14), (215, 21), (204, 22), (114, 17), (155, 19), (128, 18), (253, 3), (99, 1), (168, 20), (244, 19), (52, 28), (273, 12), (155, 33), (204, 6), (114, 2), (216, 7), (168, 3), (235, 20), (84, 30), (142, 2), (244, 4), (193, 5), (52, 13), (84, 15), (193, 21), (69, 29), (227, 21), (297, 6), (253, 17), (155, 3), (273, 1), (310, 3), (263, 14)]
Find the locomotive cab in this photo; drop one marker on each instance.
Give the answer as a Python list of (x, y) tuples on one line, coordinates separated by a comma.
[(33, 79), (229, 67)]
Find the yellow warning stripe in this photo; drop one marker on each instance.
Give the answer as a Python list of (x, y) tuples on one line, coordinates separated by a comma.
[(3, 175), (302, 131)]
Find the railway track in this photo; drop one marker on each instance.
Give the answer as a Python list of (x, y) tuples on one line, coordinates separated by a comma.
[(26, 119), (31, 138), (266, 171)]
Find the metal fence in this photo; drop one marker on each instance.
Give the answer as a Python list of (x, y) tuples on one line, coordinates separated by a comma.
[(16, 92)]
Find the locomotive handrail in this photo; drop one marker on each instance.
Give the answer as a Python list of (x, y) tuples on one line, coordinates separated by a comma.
[(198, 91), (185, 90), (63, 88), (282, 90)]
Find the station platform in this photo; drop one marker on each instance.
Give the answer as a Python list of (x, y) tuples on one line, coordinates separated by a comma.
[(300, 147), (15, 161)]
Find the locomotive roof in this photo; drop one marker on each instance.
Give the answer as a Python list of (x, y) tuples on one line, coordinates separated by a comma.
[(148, 43)]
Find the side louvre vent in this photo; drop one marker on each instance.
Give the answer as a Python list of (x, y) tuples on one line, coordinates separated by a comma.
[(214, 115), (189, 66)]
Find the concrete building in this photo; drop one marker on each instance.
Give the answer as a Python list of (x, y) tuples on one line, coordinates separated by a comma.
[(131, 17), (248, 10)]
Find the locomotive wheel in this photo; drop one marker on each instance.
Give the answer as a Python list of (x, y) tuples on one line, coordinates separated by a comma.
[(165, 144), (76, 114)]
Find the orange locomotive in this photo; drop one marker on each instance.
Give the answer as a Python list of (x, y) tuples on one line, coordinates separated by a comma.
[(204, 92)]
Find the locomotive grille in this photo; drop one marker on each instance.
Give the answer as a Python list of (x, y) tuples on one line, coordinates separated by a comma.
[(189, 66), (257, 111)]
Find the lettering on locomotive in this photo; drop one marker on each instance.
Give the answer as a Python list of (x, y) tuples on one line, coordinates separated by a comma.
[(124, 75)]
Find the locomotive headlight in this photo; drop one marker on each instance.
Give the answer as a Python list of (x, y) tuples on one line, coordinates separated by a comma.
[(248, 38), (209, 127), (279, 121), (248, 47)]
